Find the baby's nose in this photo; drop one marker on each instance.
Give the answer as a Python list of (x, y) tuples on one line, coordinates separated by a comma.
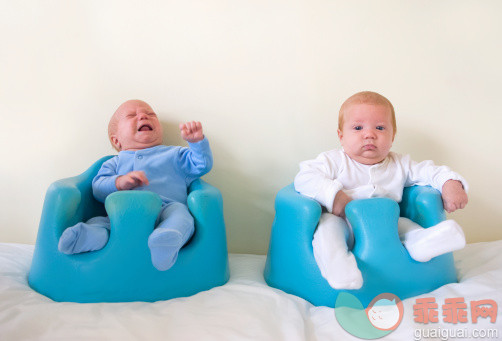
[(370, 134)]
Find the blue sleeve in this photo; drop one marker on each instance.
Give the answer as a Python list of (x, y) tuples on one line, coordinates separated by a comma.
[(196, 160), (104, 182)]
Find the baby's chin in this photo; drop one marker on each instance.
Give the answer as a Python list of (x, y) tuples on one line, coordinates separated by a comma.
[(138, 145), (368, 158), (148, 137)]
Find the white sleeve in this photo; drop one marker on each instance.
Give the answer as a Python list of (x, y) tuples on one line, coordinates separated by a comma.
[(427, 173), (317, 179)]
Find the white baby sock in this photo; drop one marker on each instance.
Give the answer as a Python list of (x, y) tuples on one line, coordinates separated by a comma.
[(330, 244), (341, 270), (425, 244), (164, 246)]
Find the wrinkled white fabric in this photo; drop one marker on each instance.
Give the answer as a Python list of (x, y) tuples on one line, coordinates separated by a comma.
[(425, 244), (243, 309), (332, 241)]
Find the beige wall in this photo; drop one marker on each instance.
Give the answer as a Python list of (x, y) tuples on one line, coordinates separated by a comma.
[(266, 78)]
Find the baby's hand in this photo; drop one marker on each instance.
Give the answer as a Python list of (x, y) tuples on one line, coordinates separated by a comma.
[(341, 200), (131, 180), (454, 196), (191, 131)]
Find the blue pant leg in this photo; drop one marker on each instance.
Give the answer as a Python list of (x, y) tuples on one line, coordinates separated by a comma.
[(175, 227), (82, 237), (176, 216)]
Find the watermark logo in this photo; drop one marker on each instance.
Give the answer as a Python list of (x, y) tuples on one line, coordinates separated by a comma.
[(381, 317), (456, 313), (385, 312), (455, 310)]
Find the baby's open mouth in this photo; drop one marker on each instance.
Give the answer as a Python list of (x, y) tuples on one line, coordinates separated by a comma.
[(145, 127)]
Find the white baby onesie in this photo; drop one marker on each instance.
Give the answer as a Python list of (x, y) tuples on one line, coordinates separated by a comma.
[(332, 171)]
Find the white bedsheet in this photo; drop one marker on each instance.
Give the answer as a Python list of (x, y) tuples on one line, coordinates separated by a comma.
[(243, 309)]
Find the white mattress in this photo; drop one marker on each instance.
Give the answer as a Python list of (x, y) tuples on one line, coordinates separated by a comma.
[(243, 309)]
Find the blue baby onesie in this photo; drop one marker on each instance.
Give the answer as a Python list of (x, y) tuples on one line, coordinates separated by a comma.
[(169, 170)]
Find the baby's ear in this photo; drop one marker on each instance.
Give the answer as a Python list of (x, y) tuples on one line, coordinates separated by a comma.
[(340, 134), (115, 142)]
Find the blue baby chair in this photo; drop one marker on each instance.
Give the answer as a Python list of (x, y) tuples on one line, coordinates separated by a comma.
[(385, 264), (122, 271)]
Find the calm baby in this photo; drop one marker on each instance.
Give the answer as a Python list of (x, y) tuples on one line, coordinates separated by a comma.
[(366, 168)]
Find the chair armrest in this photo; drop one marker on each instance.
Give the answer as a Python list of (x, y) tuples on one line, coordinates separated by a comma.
[(423, 205), (87, 207), (290, 260), (200, 196), (205, 203), (69, 201), (60, 210), (296, 214)]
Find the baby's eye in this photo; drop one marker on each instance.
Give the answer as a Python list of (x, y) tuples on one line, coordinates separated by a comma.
[(380, 128), (358, 127), (152, 114)]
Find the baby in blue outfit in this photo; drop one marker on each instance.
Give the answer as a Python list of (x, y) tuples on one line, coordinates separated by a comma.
[(143, 163)]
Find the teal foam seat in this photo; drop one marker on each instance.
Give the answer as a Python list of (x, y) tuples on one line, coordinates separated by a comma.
[(384, 262), (122, 271)]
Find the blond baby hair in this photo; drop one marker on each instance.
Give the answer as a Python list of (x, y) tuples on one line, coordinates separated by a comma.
[(367, 97)]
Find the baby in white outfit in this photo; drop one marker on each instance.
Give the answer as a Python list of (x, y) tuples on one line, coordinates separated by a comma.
[(366, 168)]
